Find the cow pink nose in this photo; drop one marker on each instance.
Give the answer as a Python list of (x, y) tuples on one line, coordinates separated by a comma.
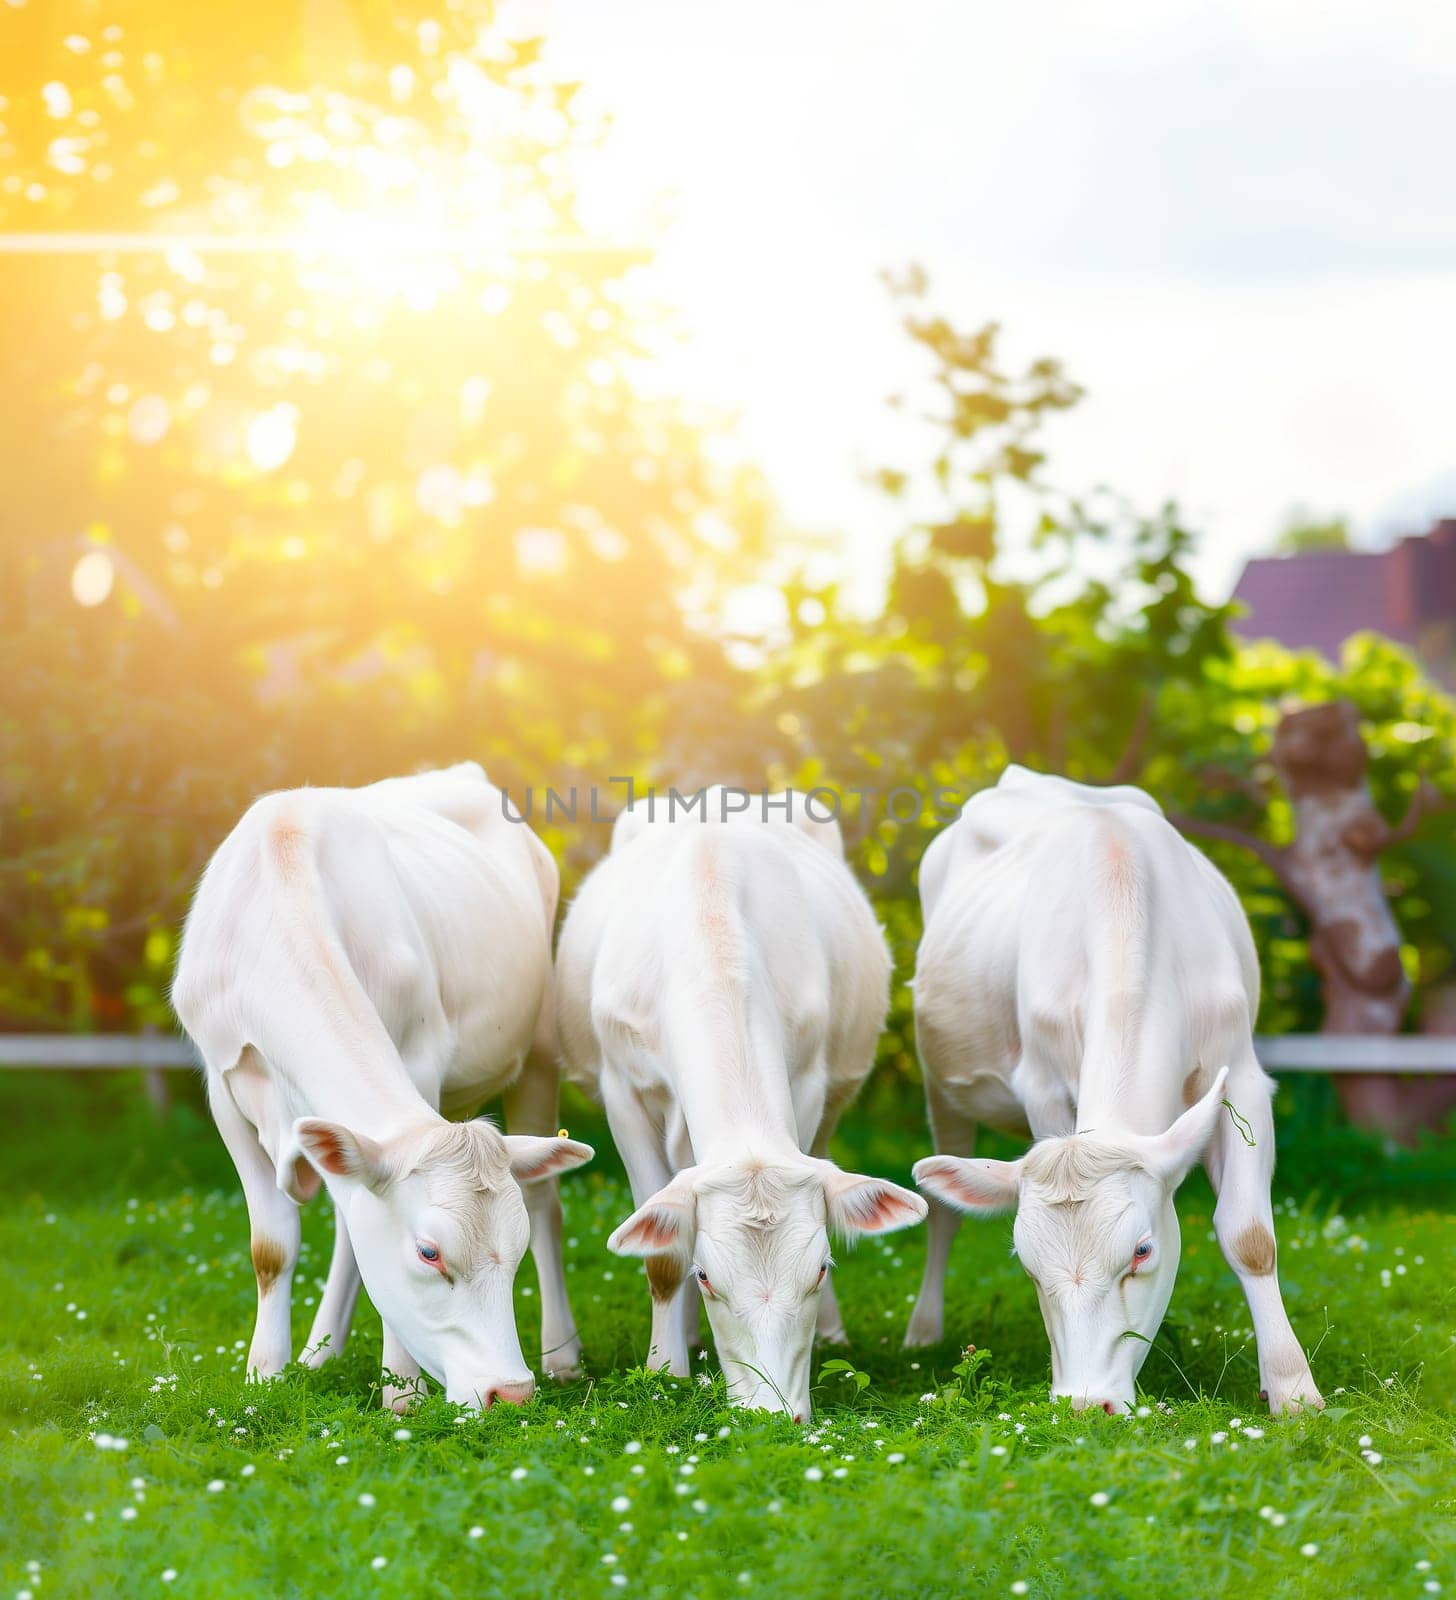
[(514, 1394)]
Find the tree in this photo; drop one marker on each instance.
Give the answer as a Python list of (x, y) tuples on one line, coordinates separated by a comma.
[(310, 513), (1303, 531)]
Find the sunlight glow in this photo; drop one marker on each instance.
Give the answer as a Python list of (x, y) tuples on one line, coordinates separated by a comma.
[(272, 436), (92, 578)]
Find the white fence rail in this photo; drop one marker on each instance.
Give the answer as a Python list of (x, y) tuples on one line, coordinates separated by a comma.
[(1289, 1052)]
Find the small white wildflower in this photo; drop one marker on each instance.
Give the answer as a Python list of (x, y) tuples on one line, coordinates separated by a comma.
[(813, 1474), (128, 1513), (401, 1434), (1100, 1498), (169, 1574), (621, 1503), (1309, 1549), (216, 1486), (517, 1473), (379, 1563), (632, 1447), (366, 1499)]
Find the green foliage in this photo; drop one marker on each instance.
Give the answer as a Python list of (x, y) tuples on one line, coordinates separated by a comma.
[(1303, 531), (333, 516), (944, 1474), (1102, 662)]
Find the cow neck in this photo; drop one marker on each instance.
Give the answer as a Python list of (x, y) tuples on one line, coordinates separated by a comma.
[(735, 1098), (348, 1071)]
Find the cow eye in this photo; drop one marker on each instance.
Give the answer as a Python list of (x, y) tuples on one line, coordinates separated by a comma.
[(822, 1271), (1143, 1251), (429, 1253), (702, 1276)]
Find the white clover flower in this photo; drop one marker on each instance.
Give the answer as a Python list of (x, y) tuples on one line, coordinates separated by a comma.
[(1100, 1498), (379, 1563), (1309, 1549), (813, 1474), (632, 1447)]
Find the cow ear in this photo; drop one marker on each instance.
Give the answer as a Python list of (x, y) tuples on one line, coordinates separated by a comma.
[(535, 1158), (984, 1188), (667, 1224), (857, 1204), (337, 1152), (1171, 1155)]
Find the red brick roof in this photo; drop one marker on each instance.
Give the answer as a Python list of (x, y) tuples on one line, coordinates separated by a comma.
[(1317, 599)]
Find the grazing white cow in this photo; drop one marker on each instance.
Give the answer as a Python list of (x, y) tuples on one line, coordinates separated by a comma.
[(355, 961), (721, 985), (1087, 975)]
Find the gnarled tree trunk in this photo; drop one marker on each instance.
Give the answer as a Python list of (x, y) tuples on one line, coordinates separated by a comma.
[(1332, 870)]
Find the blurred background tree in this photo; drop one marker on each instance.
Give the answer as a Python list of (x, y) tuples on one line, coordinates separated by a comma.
[(317, 512)]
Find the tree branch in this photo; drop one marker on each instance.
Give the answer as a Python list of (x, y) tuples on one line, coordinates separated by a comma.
[(1425, 802), (1125, 768), (1272, 855)]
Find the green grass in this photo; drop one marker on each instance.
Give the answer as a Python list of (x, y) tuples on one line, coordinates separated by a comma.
[(129, 1300)]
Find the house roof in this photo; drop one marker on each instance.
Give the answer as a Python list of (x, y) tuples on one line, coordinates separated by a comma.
[(1316, 599)]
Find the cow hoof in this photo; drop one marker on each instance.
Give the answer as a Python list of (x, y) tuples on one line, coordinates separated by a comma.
[(398, 1401), (836, 1336), (564, 1371), (1297, 1398), (923, 1331)]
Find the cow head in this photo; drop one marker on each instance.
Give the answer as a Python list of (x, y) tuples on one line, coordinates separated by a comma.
[(754, 1238), (1097, 1233), (439, 1226)]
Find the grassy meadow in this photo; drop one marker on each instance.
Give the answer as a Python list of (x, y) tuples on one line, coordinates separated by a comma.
[(136, 1461)]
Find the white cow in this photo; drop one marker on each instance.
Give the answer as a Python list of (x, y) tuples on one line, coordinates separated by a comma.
[(721, 985), (355, 961), (1087, 975)]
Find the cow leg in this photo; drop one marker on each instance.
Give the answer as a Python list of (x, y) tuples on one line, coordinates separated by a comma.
[(532, 1106), (952, 1134), (399, 1397), (273, 1225), (336, 1309), (1244, 1222), (640, 1144), (689, 1301), (829, 1326)]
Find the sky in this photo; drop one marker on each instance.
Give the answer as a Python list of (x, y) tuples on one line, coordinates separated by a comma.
[(1234, 223)]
